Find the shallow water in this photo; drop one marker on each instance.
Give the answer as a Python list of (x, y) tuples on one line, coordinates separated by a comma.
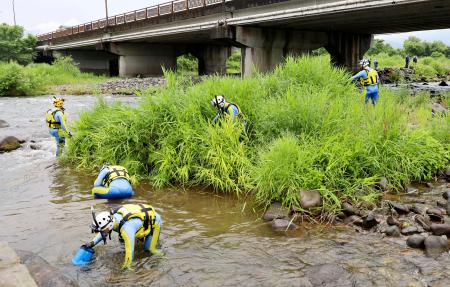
[(209, 240)]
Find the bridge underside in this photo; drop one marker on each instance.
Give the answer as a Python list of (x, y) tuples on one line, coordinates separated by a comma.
[(277, 30)]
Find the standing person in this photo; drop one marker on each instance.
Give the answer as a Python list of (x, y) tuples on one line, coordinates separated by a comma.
[(113, 181), (131, 221), (415, 59), (375, 64), (407, 61), (225, 109), (369, 78), (57, 124)]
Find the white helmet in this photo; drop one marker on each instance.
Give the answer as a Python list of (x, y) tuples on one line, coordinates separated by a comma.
[(102, 221), (364, 63), (218, 101)]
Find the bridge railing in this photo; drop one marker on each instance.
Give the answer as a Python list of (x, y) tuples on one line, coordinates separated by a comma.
[(172, 7)]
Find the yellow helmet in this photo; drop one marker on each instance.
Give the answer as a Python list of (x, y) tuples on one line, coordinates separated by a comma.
[(58, 102)]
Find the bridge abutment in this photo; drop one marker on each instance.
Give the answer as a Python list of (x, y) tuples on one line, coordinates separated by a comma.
[(91, 61), (213, 59), (346, 49), (143, 59)]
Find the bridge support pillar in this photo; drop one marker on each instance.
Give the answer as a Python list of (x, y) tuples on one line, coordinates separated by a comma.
[(91, 61), (346, 49), (143, 59), (213, 59), (264, 49)]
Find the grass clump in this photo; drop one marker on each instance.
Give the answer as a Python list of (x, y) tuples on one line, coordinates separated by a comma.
[(309, 129)]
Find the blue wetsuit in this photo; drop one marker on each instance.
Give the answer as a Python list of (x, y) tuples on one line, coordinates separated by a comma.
[(118, 188), (371, 90), (56, 133), (228, 110), (128, 232)]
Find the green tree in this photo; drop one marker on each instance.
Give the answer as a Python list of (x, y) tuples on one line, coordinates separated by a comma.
[(413, 46), (379, 46), (15, 46)]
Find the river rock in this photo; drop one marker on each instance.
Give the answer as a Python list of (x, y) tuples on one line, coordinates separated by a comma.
[(423, 221), (435, 245), (276, 210), (416, 209), (437, 108), (411, 190), (446, 195), (35, 146), (310, 198), (329, 275), (441, 203), (349, 209), (440, 229), (393, 231), (3, 124), (400, 208), (443, 84), (390, 220), (416, 241), (410, 230), (283, 224), (435, 213), (353, 219), (370, 221), (383, 183), (9, 143), (43, 273)]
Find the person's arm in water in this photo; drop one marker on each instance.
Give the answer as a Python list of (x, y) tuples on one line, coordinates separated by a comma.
[(98, 182), (128, 232), (97, 239)]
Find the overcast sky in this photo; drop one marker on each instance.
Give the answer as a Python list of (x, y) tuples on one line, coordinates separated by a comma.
[(41, 16)]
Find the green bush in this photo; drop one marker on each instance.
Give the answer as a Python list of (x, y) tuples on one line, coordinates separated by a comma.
[(309, 130)]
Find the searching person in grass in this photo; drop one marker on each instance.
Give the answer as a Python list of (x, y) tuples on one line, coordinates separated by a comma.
[(131, 221), (224, 109), (57, 126), (368, 78), (113, 181)]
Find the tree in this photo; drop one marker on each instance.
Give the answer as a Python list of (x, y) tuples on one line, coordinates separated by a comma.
[(379, 46), (413, 46), (14, 46)]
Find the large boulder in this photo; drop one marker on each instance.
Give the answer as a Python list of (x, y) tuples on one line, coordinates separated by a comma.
[(3, 124), (310, 198), (275, 211), (437, 108), (416, 241), (440, 229), (9, 143), (435, 245)]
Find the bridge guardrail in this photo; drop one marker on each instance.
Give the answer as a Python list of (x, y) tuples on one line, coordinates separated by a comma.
[(163, 9)]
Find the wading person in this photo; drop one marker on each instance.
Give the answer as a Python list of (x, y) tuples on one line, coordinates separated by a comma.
[(57, 125), (131, 221), (113, 181), (369, 79)]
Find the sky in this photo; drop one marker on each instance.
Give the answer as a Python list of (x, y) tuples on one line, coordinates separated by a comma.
[(42, 16)]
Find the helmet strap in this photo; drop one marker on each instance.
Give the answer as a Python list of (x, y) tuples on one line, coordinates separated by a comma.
[(93, 216)]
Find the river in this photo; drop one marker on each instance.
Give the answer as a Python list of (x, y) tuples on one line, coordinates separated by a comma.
[(209, 239)]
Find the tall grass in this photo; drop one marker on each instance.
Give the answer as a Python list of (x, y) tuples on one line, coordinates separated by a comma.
[(36, 79), (309, 129)]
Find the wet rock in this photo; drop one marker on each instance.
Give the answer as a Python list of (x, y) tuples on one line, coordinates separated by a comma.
[(440, 229), (447, 207), (435, 245), (370, 221), (43, 273), (393, 231), (416, 209), (276, 210), (429, 185), (441, 203), (9, 143), (283, 224), (329, 275), (400, 208), (423, 221), (446, 195), (435, 214), (437, 108), (416, 241), (411, 190), (447, 173), (35, 146), (410, 230), (349, 209), (390, 220), (443, 84), (3, 124), (383, 183), (310, 198), (353, 219)]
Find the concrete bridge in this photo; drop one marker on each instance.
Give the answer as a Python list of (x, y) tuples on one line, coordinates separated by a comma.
[(266, 31)]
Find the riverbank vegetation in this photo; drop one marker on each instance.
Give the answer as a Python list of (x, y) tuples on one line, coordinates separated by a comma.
[(308, 129)]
